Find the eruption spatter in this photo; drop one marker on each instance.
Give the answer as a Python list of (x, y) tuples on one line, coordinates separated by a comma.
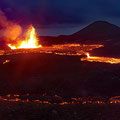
[(31, 40)]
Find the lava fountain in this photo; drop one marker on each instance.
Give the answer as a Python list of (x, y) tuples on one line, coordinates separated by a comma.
[(31, 40)]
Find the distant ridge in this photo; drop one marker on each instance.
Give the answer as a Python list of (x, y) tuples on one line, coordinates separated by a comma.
[(99, 27), (99, 32)]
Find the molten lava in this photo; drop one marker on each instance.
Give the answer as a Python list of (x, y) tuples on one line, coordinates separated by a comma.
[(6, 61), (88, 55), (101, 59), (30, 41), (60, 100)]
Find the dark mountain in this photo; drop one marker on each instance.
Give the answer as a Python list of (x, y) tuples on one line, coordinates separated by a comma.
[(99, 32)]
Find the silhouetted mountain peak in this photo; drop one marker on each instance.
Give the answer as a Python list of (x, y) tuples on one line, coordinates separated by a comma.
[(101, 23), (99, 27), (97, 31)]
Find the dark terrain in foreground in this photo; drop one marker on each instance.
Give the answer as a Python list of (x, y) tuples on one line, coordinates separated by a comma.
[(66, 76), (34, 111), (63, 75)]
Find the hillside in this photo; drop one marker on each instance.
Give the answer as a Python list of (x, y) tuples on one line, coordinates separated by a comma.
[(99, 32)]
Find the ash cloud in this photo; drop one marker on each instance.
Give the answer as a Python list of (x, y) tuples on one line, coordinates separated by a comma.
[(10, 30)]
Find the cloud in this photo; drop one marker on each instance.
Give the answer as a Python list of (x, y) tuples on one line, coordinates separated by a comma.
[(9, 30), (48, 12)]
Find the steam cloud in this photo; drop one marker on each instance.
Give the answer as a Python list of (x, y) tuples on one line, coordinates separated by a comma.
[(10, 30)]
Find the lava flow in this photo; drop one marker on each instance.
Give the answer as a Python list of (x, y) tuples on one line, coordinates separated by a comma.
[(101, 59), (56, 99), (30, 41)]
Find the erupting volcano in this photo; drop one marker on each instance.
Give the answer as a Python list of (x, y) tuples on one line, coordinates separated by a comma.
[(31, 40)]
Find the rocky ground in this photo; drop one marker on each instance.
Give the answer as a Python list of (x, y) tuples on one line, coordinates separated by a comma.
[(35, 111), (66, 75)]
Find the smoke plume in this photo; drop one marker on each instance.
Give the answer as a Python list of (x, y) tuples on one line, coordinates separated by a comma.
[(10, 30)]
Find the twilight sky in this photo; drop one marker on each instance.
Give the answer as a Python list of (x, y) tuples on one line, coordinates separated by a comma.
[(55, 17)]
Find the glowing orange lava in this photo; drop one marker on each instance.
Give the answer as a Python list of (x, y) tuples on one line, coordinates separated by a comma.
[(79, 100), (30, 41), (88, 55), (101, 59)]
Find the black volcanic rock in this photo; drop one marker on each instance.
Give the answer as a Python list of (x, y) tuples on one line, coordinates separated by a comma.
[(62, 75), (3, 45)]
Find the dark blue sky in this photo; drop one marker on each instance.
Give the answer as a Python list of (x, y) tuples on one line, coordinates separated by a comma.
[(55, 15)]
